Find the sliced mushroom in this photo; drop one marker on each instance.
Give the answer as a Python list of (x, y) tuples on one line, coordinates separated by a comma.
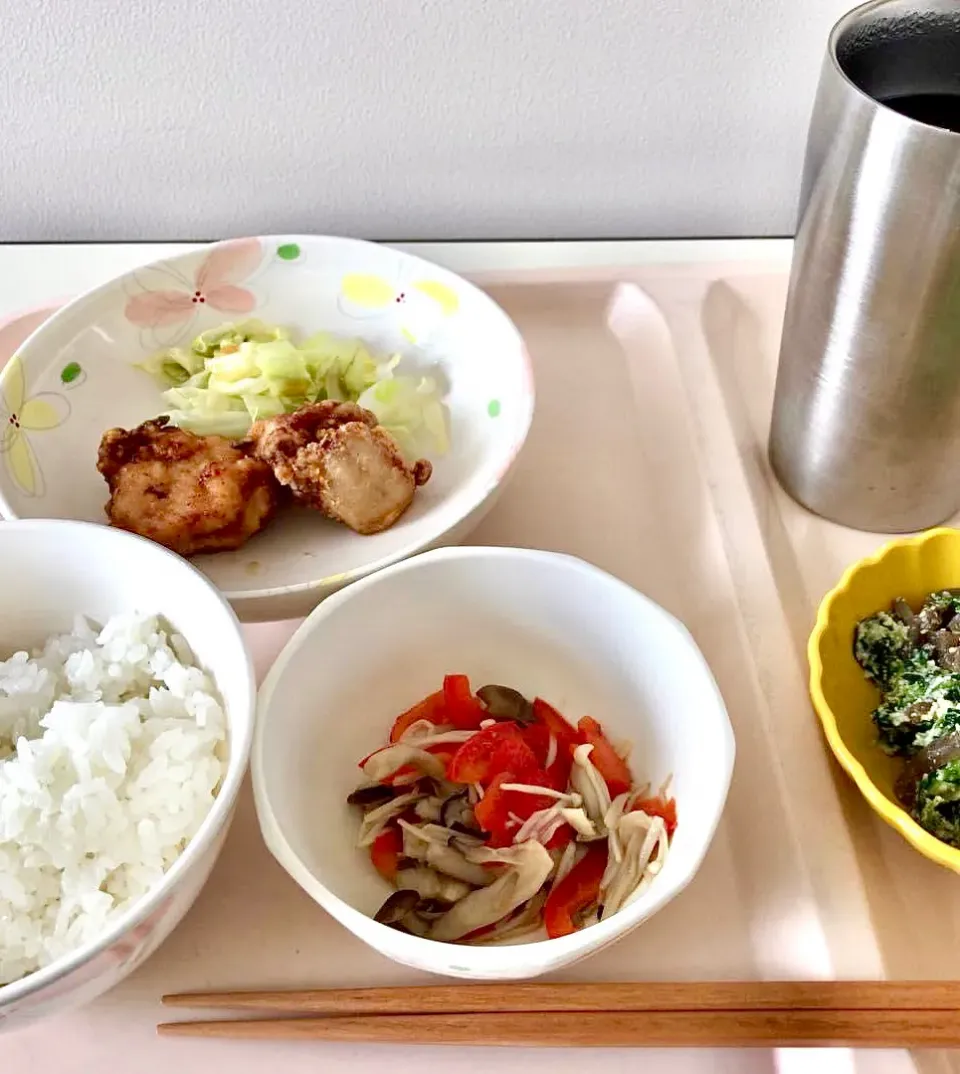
[(373, 794), (429, 832), (431, 843), (592, 787), (397, 906), (946, 646), (430, 884), (416, 925), (375, 820), (450, 860), (384, 763), (581, 824), (429, 808), (505, 703), (902, 610), (431, 909), (530, 865), (522, 922), (611, 820), (544, 792), (423, 733), (468, 833), (539, 823), (456, 809), (465, 838), (641, 836), (567, 860), (939, 753)]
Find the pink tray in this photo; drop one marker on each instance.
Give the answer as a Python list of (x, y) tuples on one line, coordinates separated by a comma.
[(646, 457)]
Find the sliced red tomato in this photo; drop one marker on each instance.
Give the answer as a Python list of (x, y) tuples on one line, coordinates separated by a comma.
[(609, 763), (430, 708), (461, 708), (385, 852), (660, 807), (575, 892), (498, 748)]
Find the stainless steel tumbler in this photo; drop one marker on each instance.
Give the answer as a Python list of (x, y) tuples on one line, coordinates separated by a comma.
[(866, 416)]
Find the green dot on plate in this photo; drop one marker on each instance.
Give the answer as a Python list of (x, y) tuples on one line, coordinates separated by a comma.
[(493, 408), (70, 372), (289, 251)]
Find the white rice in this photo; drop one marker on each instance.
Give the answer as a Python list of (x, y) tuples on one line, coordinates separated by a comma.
[(112, 749)]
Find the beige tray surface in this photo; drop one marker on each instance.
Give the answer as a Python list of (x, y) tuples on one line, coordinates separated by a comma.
[(646, 457)]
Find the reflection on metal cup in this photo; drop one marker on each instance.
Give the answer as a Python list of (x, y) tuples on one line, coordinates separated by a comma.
[(866, 418)]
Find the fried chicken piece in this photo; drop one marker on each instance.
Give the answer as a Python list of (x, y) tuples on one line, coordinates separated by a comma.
[(190, 493), (335, 458)]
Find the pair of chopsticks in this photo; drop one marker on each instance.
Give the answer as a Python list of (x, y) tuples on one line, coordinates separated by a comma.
[(713, 1014)]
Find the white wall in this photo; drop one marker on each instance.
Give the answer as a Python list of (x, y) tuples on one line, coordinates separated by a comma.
[(407, 119)]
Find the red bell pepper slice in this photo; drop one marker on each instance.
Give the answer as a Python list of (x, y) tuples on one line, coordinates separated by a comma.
[(431, 708), (566, 737), (537, 737), (499, 748), (660, 807), (462, 709), (385, 852), (564, 732), (605, 759), (560, 838), (575, 892), (494, 808)]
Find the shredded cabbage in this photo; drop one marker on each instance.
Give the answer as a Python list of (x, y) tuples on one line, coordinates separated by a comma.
[(233, 375)]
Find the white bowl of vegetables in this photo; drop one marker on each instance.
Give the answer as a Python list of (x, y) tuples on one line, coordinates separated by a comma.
[(253, 331), (521, 761)]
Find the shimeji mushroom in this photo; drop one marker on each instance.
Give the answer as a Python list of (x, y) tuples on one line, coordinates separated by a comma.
[(432, 844), (644, 842), (423, 733), (591, 786), (505, 703), (529, 866), (377, 819), (430, 884), (384, 763)]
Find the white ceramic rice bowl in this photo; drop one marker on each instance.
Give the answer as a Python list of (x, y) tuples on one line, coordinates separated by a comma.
[(50, 571), (75, 377), (544, 623)]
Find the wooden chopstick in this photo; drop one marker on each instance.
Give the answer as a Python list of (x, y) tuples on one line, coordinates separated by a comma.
[(876, 1028), (539, 997)]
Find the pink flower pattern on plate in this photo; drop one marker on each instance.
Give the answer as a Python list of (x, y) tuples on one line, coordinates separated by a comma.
[(215, 284)]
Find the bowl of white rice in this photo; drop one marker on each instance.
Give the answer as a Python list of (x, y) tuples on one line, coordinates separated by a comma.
[(127, 701)]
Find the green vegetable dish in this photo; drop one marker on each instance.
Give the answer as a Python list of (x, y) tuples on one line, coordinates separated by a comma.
[(913, 657), (236, 374)]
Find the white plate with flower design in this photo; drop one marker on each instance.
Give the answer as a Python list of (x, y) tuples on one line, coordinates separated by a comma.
[(75, 376)]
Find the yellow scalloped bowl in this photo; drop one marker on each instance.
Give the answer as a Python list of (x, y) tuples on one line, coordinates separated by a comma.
[(909, 567)]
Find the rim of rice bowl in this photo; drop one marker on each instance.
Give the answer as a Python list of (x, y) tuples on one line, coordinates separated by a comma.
[(238, 746)]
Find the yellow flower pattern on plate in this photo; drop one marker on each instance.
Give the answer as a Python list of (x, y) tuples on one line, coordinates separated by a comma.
[(375, 293), (20, 415)]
